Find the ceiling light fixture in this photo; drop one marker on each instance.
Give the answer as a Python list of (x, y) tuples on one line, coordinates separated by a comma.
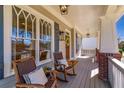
[(88, 35), (64, 9)]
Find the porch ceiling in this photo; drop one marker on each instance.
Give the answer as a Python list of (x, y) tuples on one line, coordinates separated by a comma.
[(85, 17)]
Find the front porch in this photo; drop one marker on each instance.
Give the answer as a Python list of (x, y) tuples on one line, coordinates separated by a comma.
[(28, 31), (87, 77)]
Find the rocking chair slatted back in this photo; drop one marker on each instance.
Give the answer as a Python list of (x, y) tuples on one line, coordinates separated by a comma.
[(57, 56), (23, 66)]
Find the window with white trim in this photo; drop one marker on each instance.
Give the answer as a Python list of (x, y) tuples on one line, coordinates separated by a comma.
[(23, 33), (24, 38), (45, 40)]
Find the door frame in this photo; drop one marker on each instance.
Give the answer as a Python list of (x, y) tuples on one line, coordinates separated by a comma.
[(66, 30)]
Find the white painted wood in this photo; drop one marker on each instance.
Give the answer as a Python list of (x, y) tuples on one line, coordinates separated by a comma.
[(88, 52), (89, 43), (116, 73), (7, 41), (75, 42), (76, 30), (108, 40), (113, 14)]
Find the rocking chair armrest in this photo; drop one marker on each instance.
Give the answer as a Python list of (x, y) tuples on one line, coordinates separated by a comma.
[(72, 62), (23, 85)]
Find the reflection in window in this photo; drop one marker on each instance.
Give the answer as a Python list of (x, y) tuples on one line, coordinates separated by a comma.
[(34, 28), (14, 29), (45, 40), (26, 26), (29, 27), (23, 34), (22, 48)]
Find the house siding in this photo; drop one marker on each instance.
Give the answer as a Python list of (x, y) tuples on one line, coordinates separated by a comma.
[(72, 43), (56, 36), (1, 42)]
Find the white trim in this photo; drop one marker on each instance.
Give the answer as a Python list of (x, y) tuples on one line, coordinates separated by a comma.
[(74, 42), (7, 41), (78, 30), (37, 41), (44, 62), (34, 12), (115, 37)]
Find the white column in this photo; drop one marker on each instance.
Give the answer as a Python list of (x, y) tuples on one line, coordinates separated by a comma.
[(108, 36), (98, 39), (7, 41), (74, 42)]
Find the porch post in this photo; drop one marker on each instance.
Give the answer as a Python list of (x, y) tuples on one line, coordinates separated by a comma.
[(108, 46), (1, 44), (107, 36)]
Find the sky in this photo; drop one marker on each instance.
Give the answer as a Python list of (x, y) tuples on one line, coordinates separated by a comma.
[(120, 28)]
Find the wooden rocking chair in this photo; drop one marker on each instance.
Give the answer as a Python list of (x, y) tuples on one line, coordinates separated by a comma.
[(27, 65), (65, 70)]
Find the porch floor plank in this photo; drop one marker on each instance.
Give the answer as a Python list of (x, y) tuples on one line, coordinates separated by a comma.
[(84, 69)]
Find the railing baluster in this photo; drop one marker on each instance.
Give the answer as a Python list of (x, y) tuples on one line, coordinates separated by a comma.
[(116, 73), (88, 52)]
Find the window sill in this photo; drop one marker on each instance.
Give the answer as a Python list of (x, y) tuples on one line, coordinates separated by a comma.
[(44, 62)]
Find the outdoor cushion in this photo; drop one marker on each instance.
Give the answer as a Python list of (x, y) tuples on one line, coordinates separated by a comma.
[(63, 61), (36, 77)]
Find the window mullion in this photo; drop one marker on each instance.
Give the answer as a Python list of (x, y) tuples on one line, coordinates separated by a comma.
[(26, 28), (17, 26), (33, 29)]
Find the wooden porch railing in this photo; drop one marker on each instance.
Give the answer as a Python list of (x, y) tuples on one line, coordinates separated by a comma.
[(88, 52), (115, 73)]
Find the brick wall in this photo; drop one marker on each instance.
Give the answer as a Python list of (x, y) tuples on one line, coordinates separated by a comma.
[(103, 64), (97, 55)]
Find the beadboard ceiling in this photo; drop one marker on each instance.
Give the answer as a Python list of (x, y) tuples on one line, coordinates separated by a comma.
[(85, 17)]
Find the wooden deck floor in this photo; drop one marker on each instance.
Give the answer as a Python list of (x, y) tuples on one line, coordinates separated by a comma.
[(8, 82), (86, 77)]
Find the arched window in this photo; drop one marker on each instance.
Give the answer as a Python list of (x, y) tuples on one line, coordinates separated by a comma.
[(23, 33), (23, 36), (45, 40)]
